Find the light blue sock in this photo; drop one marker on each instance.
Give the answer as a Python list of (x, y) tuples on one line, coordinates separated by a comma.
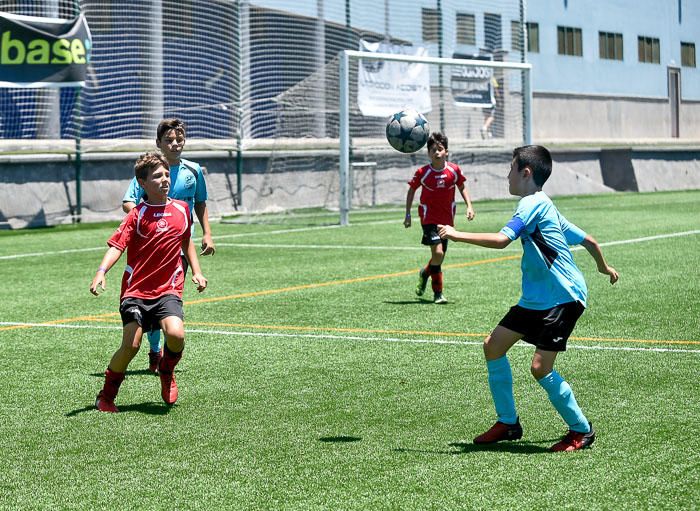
[(154, 339), (501, 385), (562, 397)]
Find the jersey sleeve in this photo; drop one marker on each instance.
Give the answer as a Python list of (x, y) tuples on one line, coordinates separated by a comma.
[(121, 237), (134, 193), (525, 215), (461, 179), (415, 183), (574, 235), (200, 194)]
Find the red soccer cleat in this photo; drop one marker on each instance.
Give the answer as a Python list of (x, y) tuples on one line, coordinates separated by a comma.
[(573, 441), (105, 404), (168, 387), (153, 361), (501, 431)]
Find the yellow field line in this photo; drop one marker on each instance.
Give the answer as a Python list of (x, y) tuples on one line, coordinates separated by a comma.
[(342, 282), (279, 290)]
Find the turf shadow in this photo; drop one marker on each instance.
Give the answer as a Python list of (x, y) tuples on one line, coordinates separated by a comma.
[(512, 447), (459, 448), (341, 439), (137, 372), (411, 302), (149, 408)]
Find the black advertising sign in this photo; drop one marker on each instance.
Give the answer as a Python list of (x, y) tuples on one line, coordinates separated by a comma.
[(43, 52)]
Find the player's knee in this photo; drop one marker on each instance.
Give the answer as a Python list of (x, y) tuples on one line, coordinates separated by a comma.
[(488, 348), (538, 370)]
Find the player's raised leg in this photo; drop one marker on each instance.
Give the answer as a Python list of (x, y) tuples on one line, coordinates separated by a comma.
[(172, 352), (500, 377), (562, 397), (114, 375)]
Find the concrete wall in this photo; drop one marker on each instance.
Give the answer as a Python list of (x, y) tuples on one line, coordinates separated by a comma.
[(609, 118), (40, 190)]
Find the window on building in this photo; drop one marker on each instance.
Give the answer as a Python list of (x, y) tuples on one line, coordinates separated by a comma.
[(688, 54), (570, 41), (515, 35), (648, 49), (466, 29), (610, 45), (430, 25), (493, 35), (533, 37)]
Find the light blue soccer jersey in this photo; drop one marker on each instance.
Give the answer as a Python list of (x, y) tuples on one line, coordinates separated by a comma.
[(186, 184), (550, 276)]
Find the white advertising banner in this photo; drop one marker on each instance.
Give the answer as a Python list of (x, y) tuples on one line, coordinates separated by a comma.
[(384, 88)]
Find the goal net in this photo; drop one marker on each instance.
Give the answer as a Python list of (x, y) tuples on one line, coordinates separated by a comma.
[(483, 107)]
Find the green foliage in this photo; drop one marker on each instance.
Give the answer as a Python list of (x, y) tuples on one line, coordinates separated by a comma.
[(314, 379)]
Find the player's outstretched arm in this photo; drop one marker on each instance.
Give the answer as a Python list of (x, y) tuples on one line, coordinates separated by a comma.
[(99, 281), (190, 252), (591, 245), (200, 209), (482, 239)]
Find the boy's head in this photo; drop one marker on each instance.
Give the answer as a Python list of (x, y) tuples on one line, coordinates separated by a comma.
[(170, 124), (537, 159), (147, 163), (437, 149), (437, 137), (171, 139)]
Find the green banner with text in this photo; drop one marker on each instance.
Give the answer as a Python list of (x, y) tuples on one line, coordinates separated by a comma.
[(43, 52)]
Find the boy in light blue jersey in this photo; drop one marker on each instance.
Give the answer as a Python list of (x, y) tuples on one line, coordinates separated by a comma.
[(187, 184), (554, 297)]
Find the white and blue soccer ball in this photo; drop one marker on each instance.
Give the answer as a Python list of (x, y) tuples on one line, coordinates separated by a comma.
[(407, 131)]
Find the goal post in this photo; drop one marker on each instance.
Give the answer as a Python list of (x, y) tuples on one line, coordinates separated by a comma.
[(479, 104)]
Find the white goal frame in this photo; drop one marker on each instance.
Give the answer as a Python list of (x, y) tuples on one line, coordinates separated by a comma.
[(344, 129)]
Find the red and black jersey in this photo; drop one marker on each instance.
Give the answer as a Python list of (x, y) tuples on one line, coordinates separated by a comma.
[(437, 198), (152, 236)]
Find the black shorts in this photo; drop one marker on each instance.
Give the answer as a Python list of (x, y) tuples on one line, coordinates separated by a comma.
[(431, 236), (148, 313), (547, 329)]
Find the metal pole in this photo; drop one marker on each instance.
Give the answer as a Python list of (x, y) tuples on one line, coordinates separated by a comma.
[(440, 68), (78, 144), (344, 137), (238, 110), (526, 77), (527, 106), (78, 158)]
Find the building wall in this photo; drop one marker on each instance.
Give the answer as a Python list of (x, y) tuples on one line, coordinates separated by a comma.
[(669, 21)]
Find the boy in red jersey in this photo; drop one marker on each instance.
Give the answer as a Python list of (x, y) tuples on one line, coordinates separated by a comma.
[(153, 234), (437, 206)]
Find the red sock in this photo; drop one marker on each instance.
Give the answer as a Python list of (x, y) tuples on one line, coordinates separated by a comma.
[(112, 382), (169, 360), (436, 282)]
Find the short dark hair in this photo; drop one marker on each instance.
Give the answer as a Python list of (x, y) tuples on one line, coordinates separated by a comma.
[(148, 162), (537, 158), (437, 137), (170, 124)]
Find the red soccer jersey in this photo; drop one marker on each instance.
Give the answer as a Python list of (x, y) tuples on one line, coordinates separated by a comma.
[(437, 198), (152, 236)]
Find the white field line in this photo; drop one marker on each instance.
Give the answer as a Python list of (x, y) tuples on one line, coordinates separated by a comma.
[(335, 247), (520, 344)]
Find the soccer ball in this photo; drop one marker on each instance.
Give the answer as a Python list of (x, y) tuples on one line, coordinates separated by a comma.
[(407, 131)]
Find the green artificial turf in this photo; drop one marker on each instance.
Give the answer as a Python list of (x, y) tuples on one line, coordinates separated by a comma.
[(313, 377)]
